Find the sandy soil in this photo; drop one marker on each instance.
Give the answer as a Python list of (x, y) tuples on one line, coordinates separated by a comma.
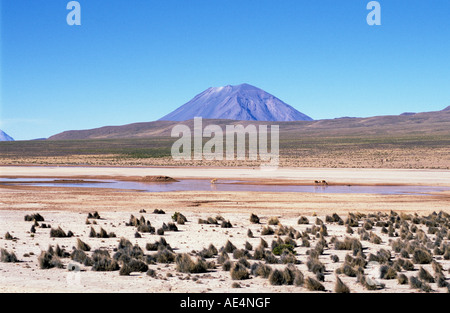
[(68, 208)]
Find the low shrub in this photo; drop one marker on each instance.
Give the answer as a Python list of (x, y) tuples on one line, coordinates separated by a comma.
[(280, 248)]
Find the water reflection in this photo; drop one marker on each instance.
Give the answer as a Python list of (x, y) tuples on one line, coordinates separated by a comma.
[(207, 185)]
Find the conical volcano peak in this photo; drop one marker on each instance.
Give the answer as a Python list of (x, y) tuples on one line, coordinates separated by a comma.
[(239, 102), (5, 137)]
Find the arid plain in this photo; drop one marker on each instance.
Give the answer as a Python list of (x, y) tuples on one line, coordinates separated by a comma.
[(301, 242)]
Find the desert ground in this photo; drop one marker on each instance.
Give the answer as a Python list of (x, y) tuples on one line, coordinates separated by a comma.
[(394, 236)]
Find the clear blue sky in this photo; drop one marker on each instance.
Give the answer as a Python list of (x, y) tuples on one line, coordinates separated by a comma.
[(137, 60)]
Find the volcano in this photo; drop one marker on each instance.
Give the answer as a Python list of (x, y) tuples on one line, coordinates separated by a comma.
[(5, 137), (242, 102)]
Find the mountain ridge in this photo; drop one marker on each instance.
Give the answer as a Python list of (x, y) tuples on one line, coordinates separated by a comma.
[(436, 122)]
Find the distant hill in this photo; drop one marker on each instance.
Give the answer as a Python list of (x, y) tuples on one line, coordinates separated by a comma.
[(5, 137), (428, 123), (242, 102)]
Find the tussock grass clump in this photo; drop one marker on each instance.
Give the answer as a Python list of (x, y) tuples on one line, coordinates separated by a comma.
[(185, 264), (288, 257), (276, 278), (348, 244), (402, 279), (303, 220), (267, 231), (226, 266), (47, 260), (133, 265), (8, 257), (273, 221), (8, 236), (314, 265), (208, 221), (240, 253), (126, 251), (229, 247), (441, 281), (383, 256), (347, 270), (172, 227), (163, 255), (290, 275), (146, 228), (78, 255), (179, 218), (94, 215), (239, 272), (34, 217), (60, 252), (340, 287), (425, 275), (102, 261), (59, 233), (254, 219), (157, 245), (158, 211), (352, 220), (210, 252), (437, 268), (81, 245), (313, 285), (226, 224), (416, 283), (223, 257), (407, 265), (374, 238), (387, 272), (261, 270), (421, 256), (101, 234), (270, 258)]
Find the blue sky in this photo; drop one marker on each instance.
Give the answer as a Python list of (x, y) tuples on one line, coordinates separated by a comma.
[(137, 60)]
